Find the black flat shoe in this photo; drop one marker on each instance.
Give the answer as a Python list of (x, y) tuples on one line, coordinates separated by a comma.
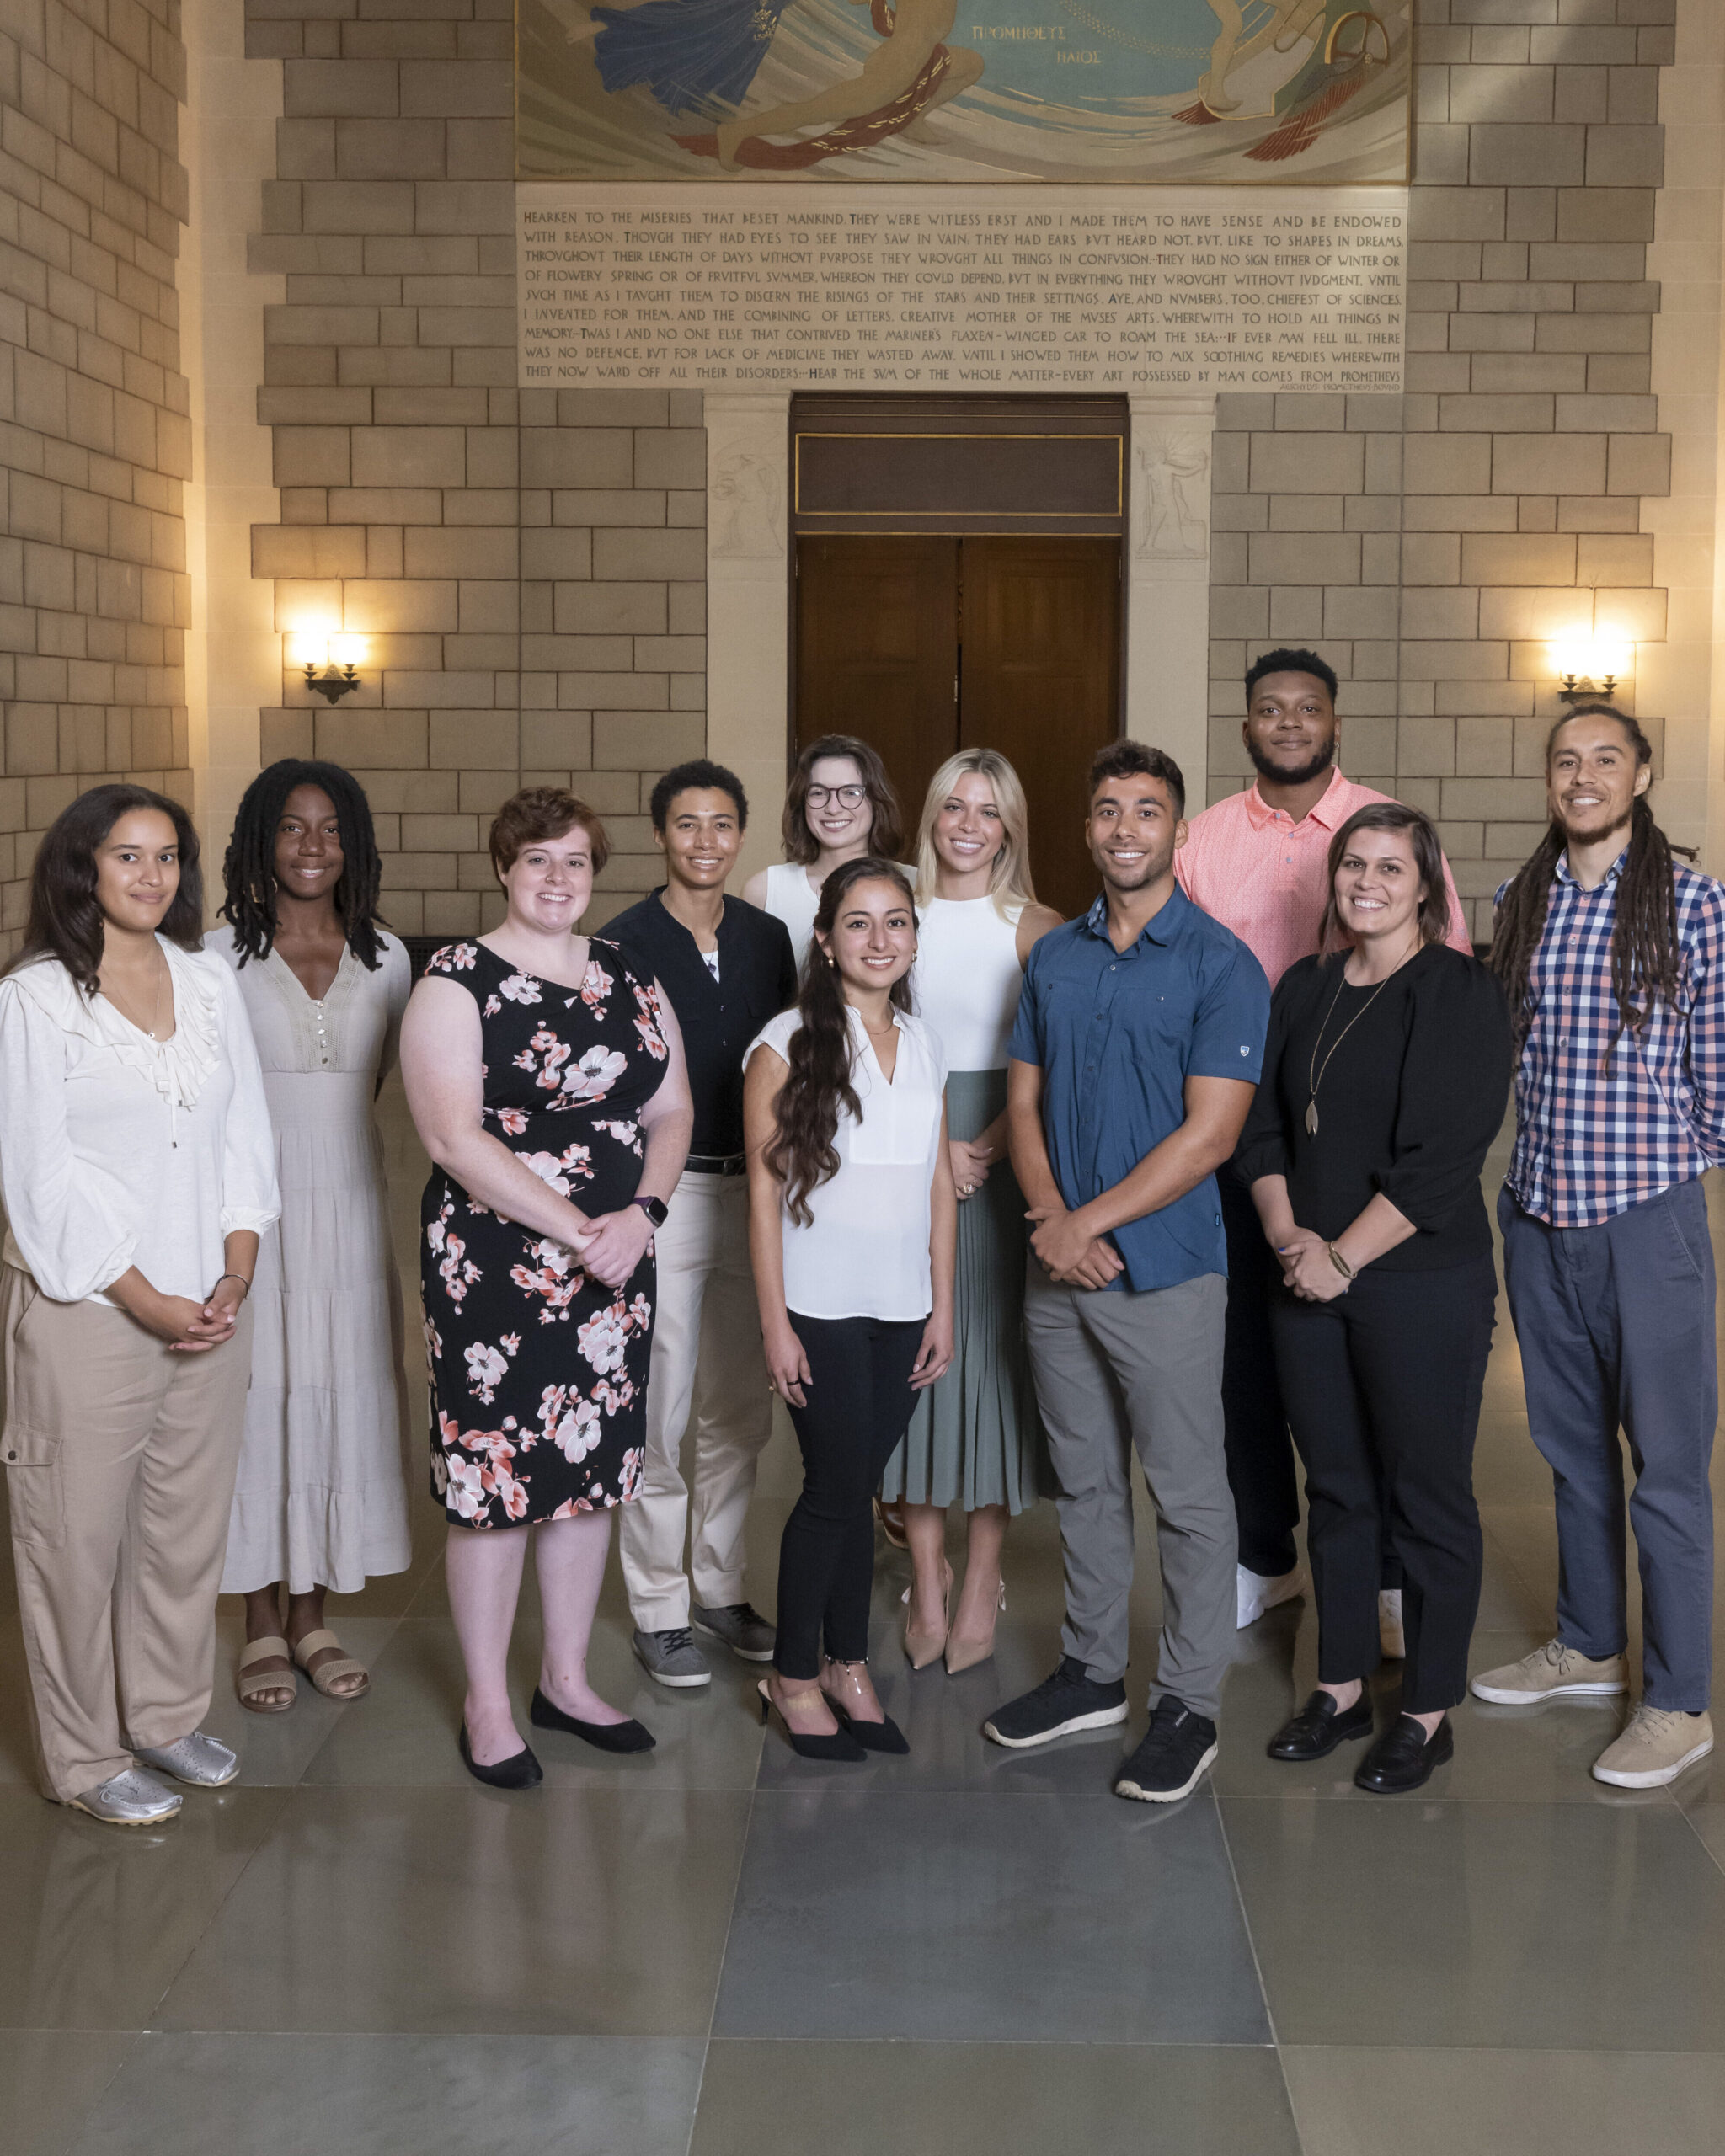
[(521, 1771), (602, 1735), (1320, 1727), (882, 1736), (838, 1749), (1404, 1757)]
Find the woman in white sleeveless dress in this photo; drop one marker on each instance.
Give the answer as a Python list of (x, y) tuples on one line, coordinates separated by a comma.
[(321, 1503), (839, 805), (974, 1438)]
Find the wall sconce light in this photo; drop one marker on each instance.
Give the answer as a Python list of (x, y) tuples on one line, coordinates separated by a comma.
[(331, 661), (1590, 665)]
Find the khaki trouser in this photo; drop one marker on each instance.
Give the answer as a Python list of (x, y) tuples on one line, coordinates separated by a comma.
[(120, 1459), (706, 1359)]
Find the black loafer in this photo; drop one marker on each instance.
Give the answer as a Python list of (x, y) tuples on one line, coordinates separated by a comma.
[(602, 1735), (1320, 1727), (1404, 1757), (521, 1770)]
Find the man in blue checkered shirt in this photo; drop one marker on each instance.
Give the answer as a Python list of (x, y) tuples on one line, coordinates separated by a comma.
[(1613, 958)]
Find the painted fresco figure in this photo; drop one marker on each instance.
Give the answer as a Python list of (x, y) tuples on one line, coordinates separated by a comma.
[(692, 54)]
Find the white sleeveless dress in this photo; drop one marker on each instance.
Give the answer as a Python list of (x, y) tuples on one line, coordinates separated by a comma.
[(975, 1438), (321, 1496)]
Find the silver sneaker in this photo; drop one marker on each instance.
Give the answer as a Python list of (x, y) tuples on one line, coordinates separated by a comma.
[(741, 1627), (197, 1759), (672, 1657), (133, 1799)]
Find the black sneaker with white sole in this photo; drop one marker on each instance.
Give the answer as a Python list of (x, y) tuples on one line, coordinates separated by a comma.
[(1169, 1764), (1065, 1702)]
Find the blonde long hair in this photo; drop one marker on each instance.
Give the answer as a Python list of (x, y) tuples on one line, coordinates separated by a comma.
[(1010, 885)]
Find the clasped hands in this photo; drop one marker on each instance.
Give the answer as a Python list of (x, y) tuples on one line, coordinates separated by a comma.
[(1308, 1270), (1067, 1250)]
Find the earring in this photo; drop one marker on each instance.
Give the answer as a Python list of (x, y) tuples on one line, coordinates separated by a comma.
[(830, 960)]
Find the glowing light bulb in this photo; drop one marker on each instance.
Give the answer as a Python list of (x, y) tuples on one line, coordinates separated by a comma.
[(347, 651), (308, 648)]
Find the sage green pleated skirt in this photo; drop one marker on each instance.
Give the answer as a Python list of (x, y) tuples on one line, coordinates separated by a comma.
[(975, 1438)]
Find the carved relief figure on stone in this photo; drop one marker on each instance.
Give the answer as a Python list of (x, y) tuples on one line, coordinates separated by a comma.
[(1208, 91)]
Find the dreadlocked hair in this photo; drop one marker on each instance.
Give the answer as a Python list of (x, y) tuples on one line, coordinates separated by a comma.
[(803, 1154), (249, 869), (1646, 962)]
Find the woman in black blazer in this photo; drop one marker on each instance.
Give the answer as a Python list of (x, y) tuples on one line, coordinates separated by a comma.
[(1385, 1076)]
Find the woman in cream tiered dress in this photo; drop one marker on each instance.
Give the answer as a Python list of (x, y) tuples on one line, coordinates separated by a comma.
[(321, 1503)]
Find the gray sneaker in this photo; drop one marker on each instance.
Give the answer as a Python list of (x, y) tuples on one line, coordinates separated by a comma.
[(672, 1658), (200, 1760), (741, 1627), (131, 1799)]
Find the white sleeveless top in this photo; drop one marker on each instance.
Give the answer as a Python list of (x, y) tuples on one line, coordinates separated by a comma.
[(865, 1254), (966, 979)]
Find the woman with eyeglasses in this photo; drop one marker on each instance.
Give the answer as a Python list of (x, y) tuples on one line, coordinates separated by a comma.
[(839, 806)]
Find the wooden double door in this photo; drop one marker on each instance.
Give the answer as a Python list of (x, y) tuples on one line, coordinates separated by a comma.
[(922, 645)]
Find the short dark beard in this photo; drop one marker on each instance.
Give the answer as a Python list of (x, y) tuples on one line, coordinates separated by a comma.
[(1306, 772)]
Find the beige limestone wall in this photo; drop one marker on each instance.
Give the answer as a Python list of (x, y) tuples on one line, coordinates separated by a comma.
[(1431, 552), (95, 437)]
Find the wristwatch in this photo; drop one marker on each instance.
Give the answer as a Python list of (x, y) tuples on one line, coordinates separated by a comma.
[(654, 1207)]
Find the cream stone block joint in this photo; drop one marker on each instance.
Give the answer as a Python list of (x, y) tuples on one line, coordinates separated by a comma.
[(749, 600), (1167, 579)]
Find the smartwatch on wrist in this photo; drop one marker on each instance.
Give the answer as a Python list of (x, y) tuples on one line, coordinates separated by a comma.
[(654, 1207)]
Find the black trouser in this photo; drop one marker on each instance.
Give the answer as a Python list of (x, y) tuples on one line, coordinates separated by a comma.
[(1260, 1457), (1383, 1389), (859, 1400)]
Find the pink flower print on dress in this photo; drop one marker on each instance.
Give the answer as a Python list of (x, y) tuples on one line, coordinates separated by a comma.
[(602, 1338), (573, 1425), (626, 1134), (520, 988), (492, 1006), (454, 958), (561, 1170), (592, 1077), (557, 1278), (512, 1122), (466, 1496), (595, 984), (629, 1474), (434, 1342), (511, 1494), (487, 1367), (545, 1054)]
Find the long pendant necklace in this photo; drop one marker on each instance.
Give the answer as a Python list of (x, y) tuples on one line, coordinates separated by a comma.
[(1315, 1076)]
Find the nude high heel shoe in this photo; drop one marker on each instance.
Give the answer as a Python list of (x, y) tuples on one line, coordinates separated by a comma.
[(966, 1654), (921, 1648)]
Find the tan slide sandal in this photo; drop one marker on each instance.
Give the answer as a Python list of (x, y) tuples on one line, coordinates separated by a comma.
[(325, 1675), (250, 1683)]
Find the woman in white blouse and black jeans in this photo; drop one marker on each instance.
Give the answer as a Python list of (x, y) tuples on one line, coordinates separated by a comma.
[(138, 1175), (852, 1225)]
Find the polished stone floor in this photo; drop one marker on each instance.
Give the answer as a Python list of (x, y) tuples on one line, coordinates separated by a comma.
[(718, 1951)]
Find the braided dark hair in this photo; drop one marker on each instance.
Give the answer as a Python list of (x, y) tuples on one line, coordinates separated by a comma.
[(803, 1154), (249, 869), (1646, 962)]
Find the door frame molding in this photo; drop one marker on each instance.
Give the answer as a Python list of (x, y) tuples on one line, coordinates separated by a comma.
[(750, 559)]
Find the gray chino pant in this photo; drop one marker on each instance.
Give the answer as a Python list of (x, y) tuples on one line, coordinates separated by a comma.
[(1119, 1373)]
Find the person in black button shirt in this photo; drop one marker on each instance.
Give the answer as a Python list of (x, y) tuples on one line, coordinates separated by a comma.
[(1385, 1075), (726, 969)]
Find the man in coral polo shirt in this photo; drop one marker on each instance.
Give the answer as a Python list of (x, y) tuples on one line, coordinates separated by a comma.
[(1258, 863)]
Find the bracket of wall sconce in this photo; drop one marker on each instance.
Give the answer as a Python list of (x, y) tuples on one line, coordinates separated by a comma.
[(332, 686), (1581, 689)]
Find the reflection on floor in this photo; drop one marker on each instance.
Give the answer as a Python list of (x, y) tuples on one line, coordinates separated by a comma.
[(718, 1951)]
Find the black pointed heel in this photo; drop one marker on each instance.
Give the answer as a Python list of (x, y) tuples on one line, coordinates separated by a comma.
[(882, 1736), (838, 1749), (520, 1771), (602, 1735)]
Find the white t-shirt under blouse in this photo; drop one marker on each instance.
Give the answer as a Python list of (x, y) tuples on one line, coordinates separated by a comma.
[(116, 1149), (865, 1254)]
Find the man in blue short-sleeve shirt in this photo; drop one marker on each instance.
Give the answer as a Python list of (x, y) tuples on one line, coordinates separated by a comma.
[(1133, 1060)]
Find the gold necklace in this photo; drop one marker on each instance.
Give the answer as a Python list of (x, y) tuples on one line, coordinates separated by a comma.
[(1316, 1075)]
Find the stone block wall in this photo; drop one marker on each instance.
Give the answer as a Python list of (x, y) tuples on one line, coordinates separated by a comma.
[(95, 441), (527, 568), (1430, 546)]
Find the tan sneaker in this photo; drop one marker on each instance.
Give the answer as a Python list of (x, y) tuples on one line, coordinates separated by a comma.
[(1552, 1672), (1655, 1747)]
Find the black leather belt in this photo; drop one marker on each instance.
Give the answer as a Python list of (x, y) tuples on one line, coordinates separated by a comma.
[(716, 1164)]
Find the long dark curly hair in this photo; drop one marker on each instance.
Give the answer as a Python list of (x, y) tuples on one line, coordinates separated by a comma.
[(1647, 966), (249, 871), (803, 1154), (65, 919)]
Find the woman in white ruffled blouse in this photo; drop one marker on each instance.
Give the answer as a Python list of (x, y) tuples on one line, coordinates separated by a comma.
[(138, 1173)]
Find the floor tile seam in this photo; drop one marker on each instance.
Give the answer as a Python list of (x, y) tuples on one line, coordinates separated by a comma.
[(1706, 1845), (338, 1723), (1656, 1800), (284, 1793), (724, 1951), (1024, 2043)]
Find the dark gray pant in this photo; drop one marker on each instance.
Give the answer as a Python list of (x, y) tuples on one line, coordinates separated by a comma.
[(1119, 1373), (1616, 1325)]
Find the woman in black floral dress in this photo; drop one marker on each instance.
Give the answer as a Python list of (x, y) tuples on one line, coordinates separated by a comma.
[(548, 1084)]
